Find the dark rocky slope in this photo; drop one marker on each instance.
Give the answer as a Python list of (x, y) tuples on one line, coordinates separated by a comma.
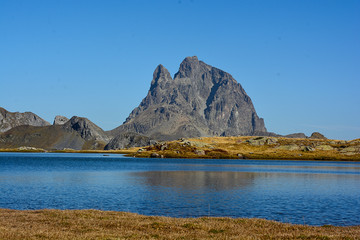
[(128, 140), (201, 100)]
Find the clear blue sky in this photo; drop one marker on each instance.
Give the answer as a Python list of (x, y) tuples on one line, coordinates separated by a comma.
[(299, 61)]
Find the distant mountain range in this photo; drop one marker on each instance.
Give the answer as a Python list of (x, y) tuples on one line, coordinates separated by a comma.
[(199, 101)]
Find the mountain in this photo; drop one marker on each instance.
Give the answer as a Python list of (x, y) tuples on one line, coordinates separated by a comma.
[(77, 133), (87, 129), (60, 120), (10, 120), (128, 140), (201, 100)]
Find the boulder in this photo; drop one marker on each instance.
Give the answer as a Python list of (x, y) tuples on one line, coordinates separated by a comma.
[(289, 147), (199, 152), (324, 148)]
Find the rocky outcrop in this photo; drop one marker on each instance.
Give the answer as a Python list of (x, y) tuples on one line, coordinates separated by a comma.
[(128, 140), (87, 129), (60, 120), (9, 120), (316, 135), (201, 100)]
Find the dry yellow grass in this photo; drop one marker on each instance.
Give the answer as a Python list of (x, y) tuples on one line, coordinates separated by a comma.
[(239, 147), (93, 224), (245, 147)]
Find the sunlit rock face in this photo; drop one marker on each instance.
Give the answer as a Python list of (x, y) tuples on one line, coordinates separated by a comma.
[(9, 120), (200, 100)]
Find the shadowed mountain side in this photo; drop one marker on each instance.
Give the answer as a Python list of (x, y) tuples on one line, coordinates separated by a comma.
[(10, 120), (201, 100), (128, 140)]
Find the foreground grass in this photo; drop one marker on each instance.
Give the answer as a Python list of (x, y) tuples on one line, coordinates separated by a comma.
[(94, 224)]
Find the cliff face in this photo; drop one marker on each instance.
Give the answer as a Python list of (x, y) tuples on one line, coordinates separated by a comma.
[(201, 100), (10, 120)]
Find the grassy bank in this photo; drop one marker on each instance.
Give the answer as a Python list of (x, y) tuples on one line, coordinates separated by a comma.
[(236, 148), (93, 224), (255, 148)]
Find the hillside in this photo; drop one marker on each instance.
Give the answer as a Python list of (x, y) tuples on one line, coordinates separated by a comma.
[(77, 133)]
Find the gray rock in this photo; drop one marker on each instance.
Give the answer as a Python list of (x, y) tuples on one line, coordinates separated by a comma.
[(351, 150), (324, 148), (9, 120), (199, 152), (260, 141), (307, 149), (155, 155), (289, 147), (201, 100), (87, 129), (128, 140), (60, 120)]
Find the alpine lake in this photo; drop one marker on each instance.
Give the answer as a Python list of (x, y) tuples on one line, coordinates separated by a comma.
[(299, 192)]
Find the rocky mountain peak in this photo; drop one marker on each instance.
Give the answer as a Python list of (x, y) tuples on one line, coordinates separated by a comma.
[(317, 135), (87, 129), (10, 120), (190, 67), (160, 76), (201, 100), (161, 72), (60, 120)]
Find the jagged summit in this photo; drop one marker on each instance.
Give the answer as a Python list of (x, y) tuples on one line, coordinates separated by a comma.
[(191, 66), (201, 100)]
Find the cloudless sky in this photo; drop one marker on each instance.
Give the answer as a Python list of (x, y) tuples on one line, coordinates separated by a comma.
[(299, 61)]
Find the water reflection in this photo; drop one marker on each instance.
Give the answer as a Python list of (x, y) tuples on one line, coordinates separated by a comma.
[(195, 180), (308, 192)]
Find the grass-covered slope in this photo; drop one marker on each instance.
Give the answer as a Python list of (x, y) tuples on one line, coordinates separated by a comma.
[(48, 137)]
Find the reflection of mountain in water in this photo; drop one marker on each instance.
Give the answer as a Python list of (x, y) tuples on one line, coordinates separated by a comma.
[(195, 180)]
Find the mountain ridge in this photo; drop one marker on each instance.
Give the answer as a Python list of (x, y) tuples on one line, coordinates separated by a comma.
[(10, 120)]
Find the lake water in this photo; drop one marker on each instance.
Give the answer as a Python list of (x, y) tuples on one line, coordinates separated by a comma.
[(302, 192)]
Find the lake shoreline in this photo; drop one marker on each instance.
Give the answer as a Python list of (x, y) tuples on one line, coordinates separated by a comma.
[(86, 224), (266, 148)]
